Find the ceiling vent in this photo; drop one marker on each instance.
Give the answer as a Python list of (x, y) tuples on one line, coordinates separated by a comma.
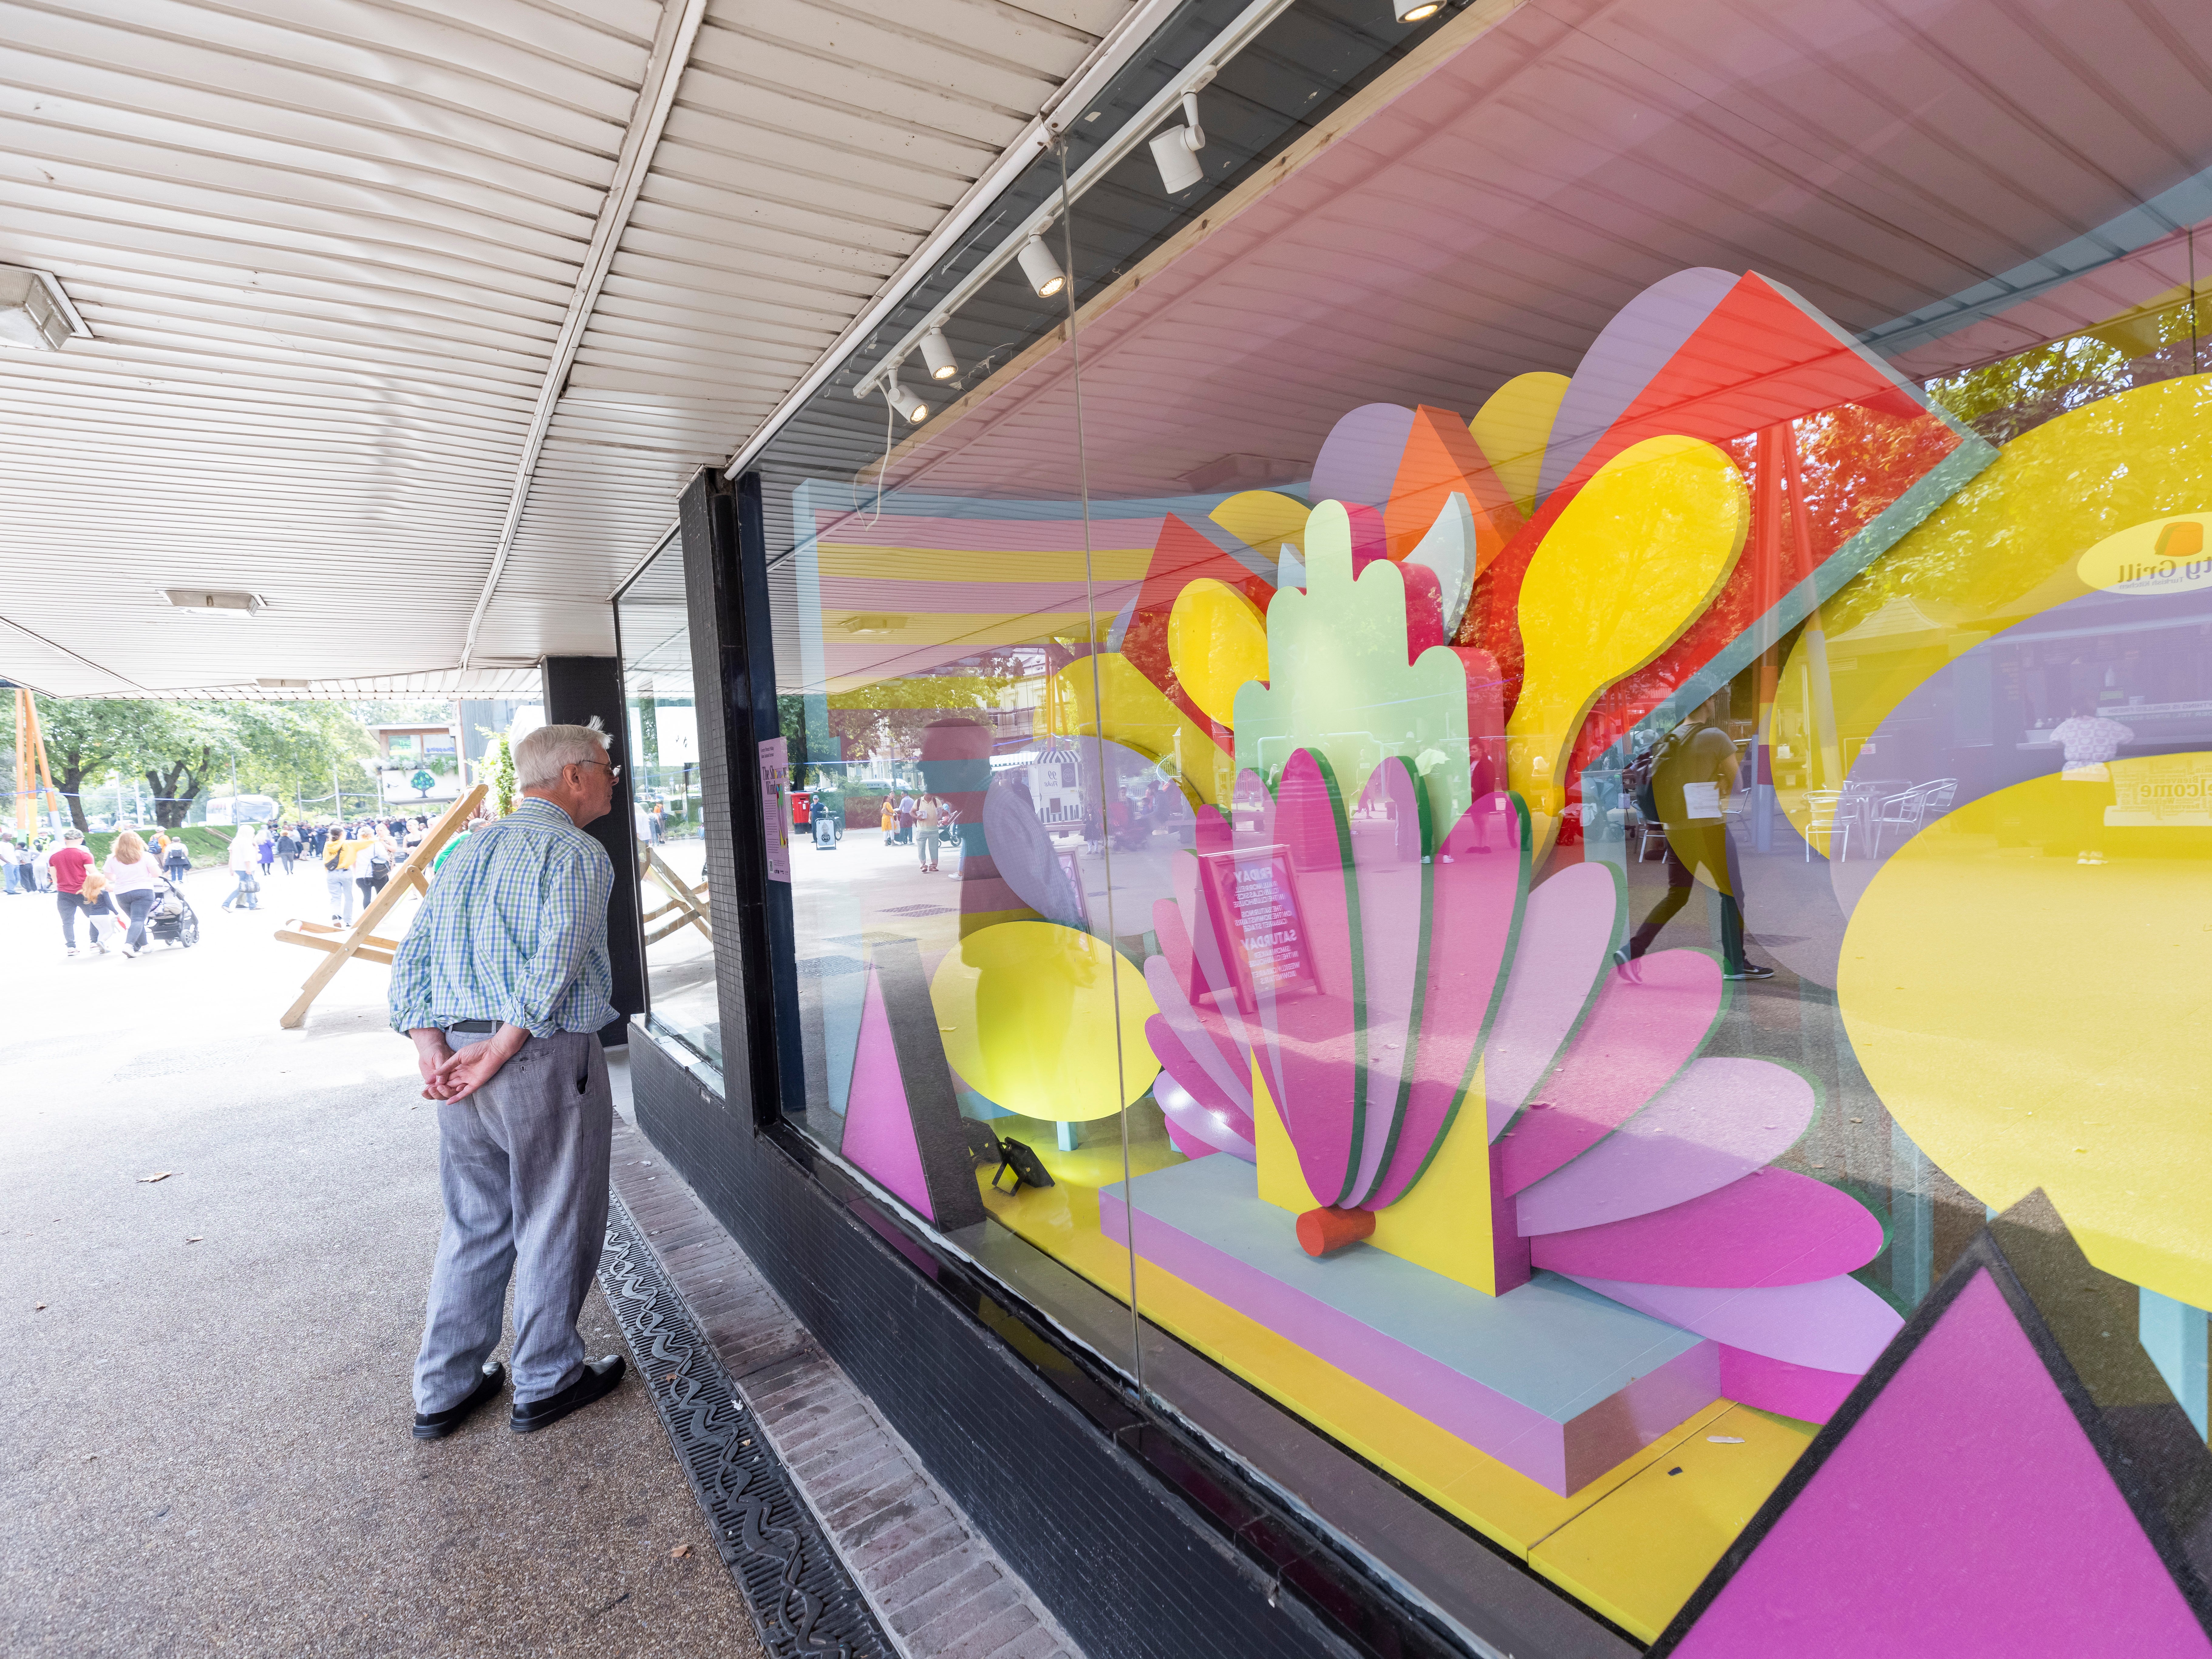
[(203, 602)]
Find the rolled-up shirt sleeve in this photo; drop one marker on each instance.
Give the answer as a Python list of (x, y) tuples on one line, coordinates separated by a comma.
[(409, 995), (571, 919)]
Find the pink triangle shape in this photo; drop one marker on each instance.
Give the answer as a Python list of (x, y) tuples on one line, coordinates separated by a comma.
[(1965, 1514), (878, 1125)]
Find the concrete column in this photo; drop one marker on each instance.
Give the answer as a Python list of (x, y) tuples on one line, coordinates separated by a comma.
[(576, 689)]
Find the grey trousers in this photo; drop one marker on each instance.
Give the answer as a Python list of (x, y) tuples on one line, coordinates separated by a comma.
[(523, 1163)]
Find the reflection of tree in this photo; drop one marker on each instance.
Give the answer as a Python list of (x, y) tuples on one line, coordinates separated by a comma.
[(2002, 400), (885, 720)]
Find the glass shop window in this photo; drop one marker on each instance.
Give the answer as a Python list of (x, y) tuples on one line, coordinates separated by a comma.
[(1610, 749), (668, 827)]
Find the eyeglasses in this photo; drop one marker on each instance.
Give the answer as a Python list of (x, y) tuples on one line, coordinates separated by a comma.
[(614, 773)]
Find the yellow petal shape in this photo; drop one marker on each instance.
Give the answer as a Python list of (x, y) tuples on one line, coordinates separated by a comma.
[(1636, 556), (1027, 1013), (1217, 641), (2039, 1023), (1513, 427), (1263, 520), (1138, 714)]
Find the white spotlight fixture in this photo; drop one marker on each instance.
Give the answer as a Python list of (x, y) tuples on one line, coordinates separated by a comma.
[(1174, 152), (937, 352), (905, 402), (1416, 11), (1041, 268), (35, 315)]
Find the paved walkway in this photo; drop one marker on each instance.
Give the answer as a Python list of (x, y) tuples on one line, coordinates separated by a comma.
[(203, 1443)]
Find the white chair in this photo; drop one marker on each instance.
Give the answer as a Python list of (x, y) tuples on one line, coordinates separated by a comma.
[(1902, 813), (1823, 817)]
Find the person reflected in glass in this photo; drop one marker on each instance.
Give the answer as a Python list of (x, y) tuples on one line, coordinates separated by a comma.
[(905, 815), (928, 815), (1692, 773), (2089, 740), (176, 859)]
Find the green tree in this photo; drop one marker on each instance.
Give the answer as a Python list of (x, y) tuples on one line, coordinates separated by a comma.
[(85, 737), (498, 765), (179, 748)]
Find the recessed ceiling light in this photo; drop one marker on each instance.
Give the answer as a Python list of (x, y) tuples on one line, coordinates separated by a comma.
[(206, 602), (35, 315), (269, 684), (1417, 11)]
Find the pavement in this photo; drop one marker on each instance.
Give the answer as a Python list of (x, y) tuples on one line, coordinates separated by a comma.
[(203, 1422)]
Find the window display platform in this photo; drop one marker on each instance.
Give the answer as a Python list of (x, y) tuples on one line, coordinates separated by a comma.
[(1553, 1380), (1631, 1544)]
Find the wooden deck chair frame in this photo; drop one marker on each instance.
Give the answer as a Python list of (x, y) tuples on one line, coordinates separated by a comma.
[(686, 900), (361, 940)]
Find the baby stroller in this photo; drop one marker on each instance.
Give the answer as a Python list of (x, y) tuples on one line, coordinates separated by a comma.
[(172, 920)]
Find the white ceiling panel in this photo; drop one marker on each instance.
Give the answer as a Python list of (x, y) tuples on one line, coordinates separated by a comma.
[(404, 315)]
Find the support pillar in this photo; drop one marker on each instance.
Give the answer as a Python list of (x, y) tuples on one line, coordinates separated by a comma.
[(576, 689)]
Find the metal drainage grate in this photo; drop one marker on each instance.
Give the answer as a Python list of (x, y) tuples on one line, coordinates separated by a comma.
[(802, 1599)]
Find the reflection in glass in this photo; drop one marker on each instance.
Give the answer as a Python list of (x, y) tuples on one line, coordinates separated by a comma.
[(669, 816)]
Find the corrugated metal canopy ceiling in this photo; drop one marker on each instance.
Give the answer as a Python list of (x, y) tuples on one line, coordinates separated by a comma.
[(388, 298)]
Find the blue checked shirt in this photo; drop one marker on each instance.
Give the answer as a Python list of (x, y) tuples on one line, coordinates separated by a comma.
[(514, 929)]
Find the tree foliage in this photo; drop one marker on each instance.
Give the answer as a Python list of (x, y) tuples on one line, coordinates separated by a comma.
[(180, 748)]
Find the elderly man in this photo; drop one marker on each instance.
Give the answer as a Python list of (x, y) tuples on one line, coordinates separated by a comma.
[(502, 983)]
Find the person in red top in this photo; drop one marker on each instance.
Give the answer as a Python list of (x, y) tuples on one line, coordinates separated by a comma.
[(69, 863)]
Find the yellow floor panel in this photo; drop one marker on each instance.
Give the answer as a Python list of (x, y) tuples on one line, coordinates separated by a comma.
[(1637, 1555), (1500, 1502)]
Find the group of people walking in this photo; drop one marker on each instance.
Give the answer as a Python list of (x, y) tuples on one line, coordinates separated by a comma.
[(121, 890)]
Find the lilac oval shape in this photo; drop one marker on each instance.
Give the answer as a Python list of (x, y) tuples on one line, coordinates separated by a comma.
[(1772, 1227), (1831, 1324), (1360, 457), (1719, 1121)]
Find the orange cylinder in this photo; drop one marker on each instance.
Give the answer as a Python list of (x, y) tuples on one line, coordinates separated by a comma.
[(1321, 1232)]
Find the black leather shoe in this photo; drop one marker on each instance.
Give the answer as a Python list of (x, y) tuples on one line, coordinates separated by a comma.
[(436, 1425), (597, 1381)]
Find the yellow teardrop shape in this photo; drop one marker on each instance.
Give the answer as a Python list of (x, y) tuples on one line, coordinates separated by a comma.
[(1637, 556), (1217, 641)]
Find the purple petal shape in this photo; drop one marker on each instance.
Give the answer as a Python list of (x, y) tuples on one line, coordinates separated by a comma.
[(1772, 1227), (1312, 1043), (1640, 1033), (1193, 1050), (1566, 929), (1476, 904), (1643, 337), (1392, 883), (1776, 1385), (1359, 458), (1190, 1117), (1831, 1324), (1719, 1121)]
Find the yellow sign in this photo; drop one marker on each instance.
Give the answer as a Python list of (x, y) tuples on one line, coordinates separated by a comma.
[(2162, 556)]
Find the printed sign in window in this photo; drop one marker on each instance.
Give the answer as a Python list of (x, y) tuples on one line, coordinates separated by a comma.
[(1253, 903)]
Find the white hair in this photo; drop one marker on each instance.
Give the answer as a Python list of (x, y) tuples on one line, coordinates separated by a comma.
[(539, 757)]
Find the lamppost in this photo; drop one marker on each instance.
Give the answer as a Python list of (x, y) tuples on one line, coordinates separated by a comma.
[(115, 792)]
